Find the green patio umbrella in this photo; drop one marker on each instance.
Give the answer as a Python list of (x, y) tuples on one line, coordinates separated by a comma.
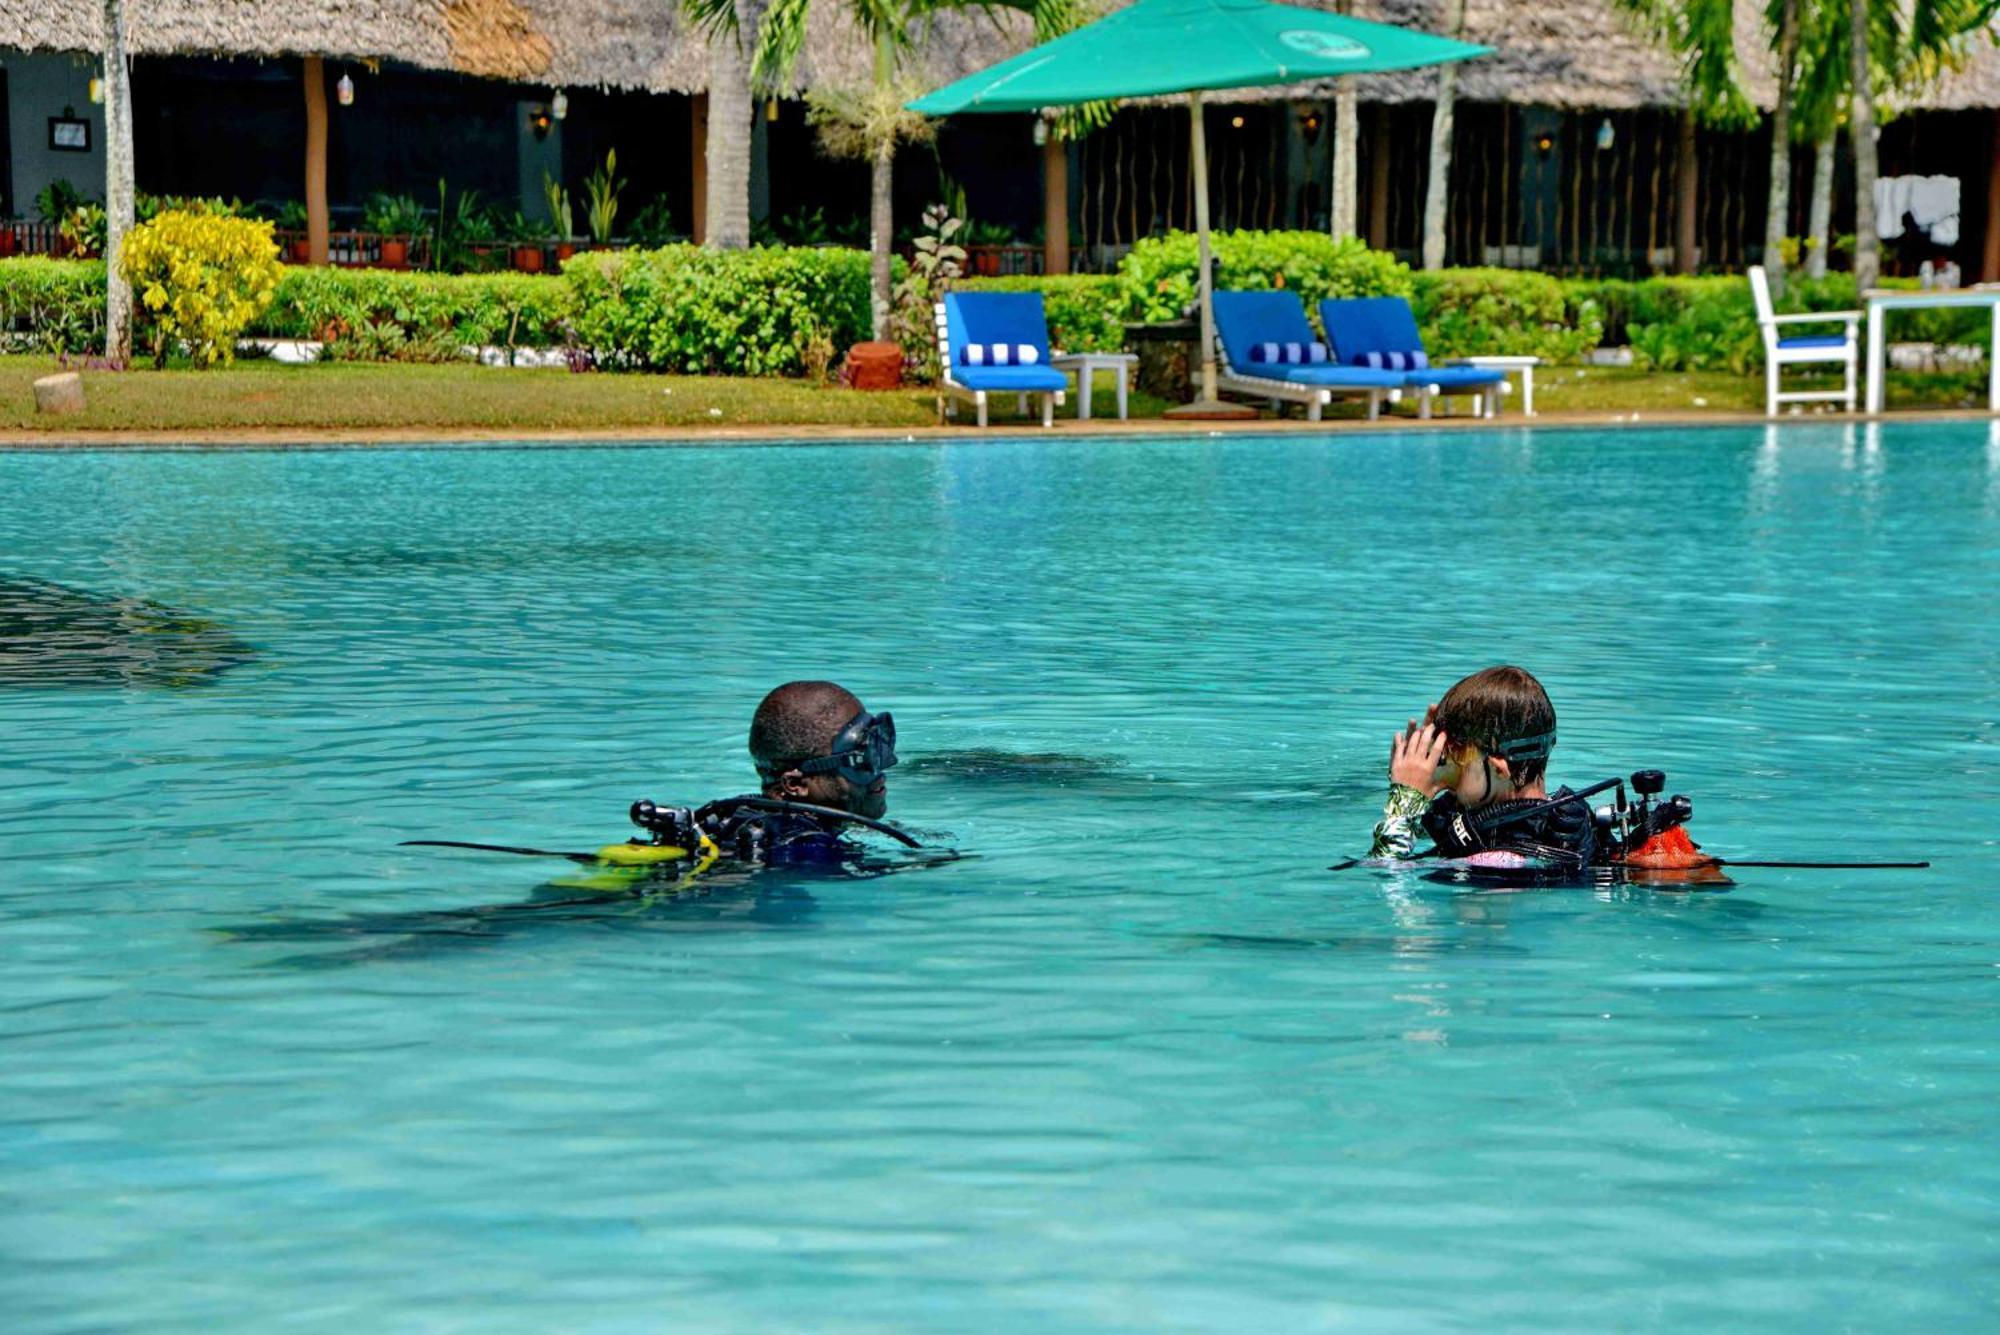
[(1159, 47)]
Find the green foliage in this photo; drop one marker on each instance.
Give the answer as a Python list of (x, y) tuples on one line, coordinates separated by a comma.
[(57, 200), (601, 189), (654, 224), (686, 308), (291, 215), (938, 262), (1159, 275), (86, 228), (395, 215), (1474, 312), (52, 306), (201, 278), (381, 314), (1086, 311), (562, 218)]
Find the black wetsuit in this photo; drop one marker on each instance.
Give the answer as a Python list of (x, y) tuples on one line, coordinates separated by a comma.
[(1562, 836)]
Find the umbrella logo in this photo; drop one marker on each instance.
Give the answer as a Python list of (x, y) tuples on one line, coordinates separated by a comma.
[(1325, 45)]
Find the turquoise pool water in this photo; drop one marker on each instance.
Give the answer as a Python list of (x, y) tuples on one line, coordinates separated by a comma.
[(1139, 1063)]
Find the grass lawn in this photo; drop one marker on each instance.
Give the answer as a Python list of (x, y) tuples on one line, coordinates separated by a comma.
[(269, 396)]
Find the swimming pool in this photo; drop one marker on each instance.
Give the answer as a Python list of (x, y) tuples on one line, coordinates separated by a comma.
[(1139, 1063)]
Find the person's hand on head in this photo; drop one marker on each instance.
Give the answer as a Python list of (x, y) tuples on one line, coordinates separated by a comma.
[(1415, 752)]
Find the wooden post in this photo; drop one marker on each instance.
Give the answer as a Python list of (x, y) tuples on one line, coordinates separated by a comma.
[(698, 145), (1989, 264), (1378, 181), (1055, 204), (316, 225), (1686, 196)]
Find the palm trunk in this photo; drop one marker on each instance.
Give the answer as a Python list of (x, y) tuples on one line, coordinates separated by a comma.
[(1861, 126), (316, 220), (1779, 211), (1819, 222), (881, 222), (1346, 144), (726, 215), (1437, 193), (118, 186), (1687, 168)]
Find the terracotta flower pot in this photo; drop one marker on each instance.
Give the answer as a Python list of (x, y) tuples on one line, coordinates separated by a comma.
[(986, 263), (564, 250), (528, 259), (395, 252), (8, 242), (301, 251)]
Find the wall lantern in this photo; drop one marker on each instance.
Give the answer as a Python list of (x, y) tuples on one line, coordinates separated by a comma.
[(1545, 144), (1235, 122), (1606, 136), (96, 89), (540, 121), (559, 105), (1309, 126), (343, 92), (1041, 131), (771, 110)]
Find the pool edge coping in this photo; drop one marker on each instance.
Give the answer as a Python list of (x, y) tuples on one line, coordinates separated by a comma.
[(17, 440)]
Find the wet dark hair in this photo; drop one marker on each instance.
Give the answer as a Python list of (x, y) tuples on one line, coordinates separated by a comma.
[(799, 721), (1496, 706)]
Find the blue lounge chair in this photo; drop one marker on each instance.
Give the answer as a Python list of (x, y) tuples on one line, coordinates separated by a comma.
[(1251, 326), (996, 343), (1382, 332)]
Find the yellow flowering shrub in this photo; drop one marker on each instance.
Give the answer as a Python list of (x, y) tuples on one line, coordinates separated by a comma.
[(202, 278)]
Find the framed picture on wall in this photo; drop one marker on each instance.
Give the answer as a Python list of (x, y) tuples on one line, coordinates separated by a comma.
[(69, 134)]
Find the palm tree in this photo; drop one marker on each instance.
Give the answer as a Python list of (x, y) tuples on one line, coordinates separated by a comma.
[(1779, 209), (1701, 35), (118, 182), (1441, 117), (893, 30), (726, 225)]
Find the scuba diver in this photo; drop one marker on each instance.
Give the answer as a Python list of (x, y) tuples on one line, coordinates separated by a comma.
[(1471, 776), (823, 760)]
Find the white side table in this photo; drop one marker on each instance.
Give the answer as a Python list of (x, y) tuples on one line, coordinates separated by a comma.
[(1525, 365), (1880, 300), (1086, 365)]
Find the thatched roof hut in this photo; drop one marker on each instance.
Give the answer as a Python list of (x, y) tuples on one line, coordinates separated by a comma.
[(1571, 54)]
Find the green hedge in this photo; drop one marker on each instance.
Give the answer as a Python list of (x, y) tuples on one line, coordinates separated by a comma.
[(355, 311), (757, 312), (1475, 312), (1086, 311), (52, 305), (692, 310), (1159, 278)]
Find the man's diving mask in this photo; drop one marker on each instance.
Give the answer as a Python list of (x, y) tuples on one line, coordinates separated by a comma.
[(1515, 751), (862, 752)]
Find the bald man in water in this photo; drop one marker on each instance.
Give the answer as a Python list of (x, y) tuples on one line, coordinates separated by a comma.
[(814, 741)]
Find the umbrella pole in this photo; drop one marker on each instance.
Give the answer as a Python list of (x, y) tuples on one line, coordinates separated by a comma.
[(1203, 250), (1207, 405)]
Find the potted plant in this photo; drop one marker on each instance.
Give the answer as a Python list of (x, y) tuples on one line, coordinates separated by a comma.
[(291, 218), (526, 243), (86, 230), (55, 202), (394, 219), (562, 219), (985, 241)]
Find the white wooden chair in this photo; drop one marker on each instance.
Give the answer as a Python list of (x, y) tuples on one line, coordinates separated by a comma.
[(1781, 351)]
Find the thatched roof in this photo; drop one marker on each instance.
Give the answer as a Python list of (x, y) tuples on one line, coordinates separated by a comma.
[(630, 44), (1573, 54)]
